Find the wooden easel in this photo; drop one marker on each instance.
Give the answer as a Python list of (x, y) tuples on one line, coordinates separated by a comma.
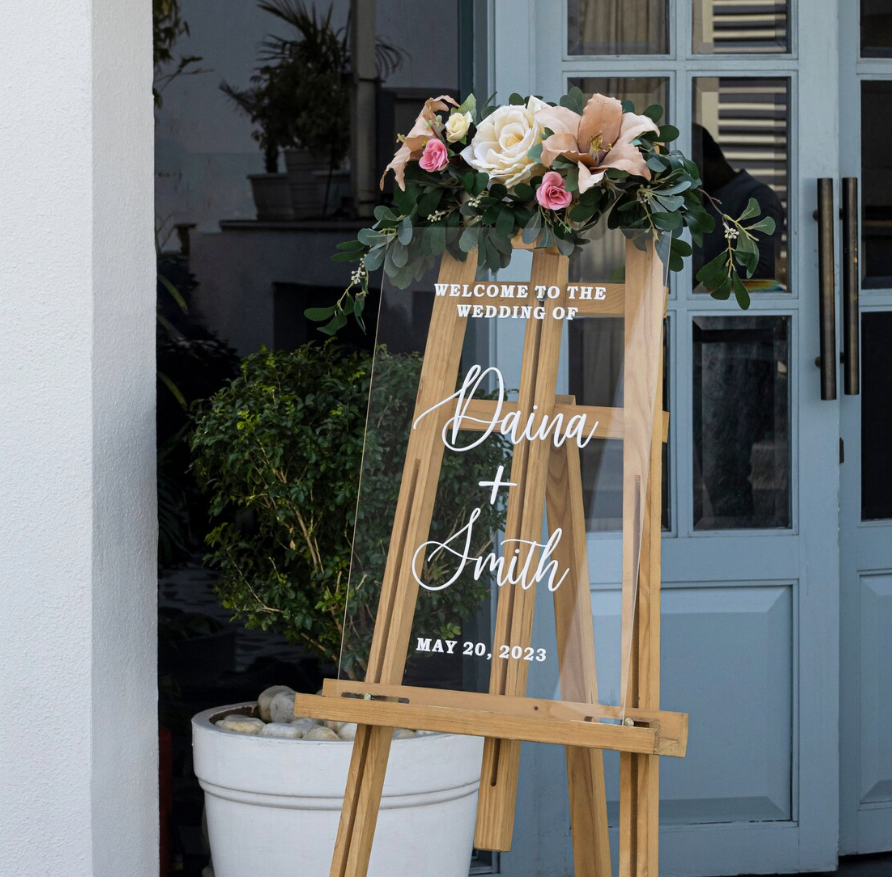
[(545, 476)]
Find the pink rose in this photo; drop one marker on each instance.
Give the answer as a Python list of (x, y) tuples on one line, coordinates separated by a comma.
[(435, 156), (552, 193)]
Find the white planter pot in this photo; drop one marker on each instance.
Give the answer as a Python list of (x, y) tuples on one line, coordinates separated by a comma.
[(301, 165), (272, 197), (336, 185), (273, 805)]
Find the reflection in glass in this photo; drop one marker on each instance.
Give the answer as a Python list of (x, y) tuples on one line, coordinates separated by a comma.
[(740, 26), (739, 141), (596, 368), (876, 195), (876, 29), (604, 256), (876, 416), (617, 27), (741, 422)]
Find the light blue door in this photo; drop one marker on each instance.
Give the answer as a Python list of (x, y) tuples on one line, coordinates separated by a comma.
[(750, 551), (866, 475)]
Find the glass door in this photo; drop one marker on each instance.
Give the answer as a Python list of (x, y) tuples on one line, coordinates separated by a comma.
[(866, 475), (750, 624)]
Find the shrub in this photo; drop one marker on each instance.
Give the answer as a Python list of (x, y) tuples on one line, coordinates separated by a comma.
[(279, 452)]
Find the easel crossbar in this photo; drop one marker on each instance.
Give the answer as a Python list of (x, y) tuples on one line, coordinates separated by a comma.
[(653, 732)]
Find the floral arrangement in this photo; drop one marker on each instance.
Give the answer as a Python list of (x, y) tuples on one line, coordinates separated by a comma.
[(471, 178)]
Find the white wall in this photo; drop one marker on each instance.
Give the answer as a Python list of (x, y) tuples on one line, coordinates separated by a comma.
[(78, 745)]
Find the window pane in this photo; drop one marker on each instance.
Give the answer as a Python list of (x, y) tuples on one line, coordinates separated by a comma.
[(740, 26), (739, 141), (876, 196), (617, 27), (605, 256), (876, 416), (876, 29), (741, 423), (596, 367)]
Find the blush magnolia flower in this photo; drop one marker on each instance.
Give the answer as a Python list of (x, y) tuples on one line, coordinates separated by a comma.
[(502, 141), (598, 140), (415, 141), (435, 156), (553, 193), (457, 126)]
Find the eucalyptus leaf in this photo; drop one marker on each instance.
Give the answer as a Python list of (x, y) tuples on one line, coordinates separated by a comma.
[(468, 239), (766, 225), (574, 100), (654, 112), (532, 228), (437, 236), (752, 209), (740, 292), (565, 247), (399, 254), (505, 222), (317, 315), (375, 257), (666, 221)]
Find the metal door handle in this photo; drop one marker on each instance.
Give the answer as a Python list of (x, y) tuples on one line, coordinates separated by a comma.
[(827, 291), (851, 288)]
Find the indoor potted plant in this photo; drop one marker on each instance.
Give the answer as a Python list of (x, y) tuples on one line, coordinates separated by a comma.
[(312, 81), (266, 106), (279, 452)]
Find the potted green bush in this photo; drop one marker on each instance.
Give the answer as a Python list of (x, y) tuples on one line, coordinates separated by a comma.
[(279, 452)]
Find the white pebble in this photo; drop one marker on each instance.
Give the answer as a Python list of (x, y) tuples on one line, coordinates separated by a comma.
[(287, 731), (321, 733), (305, 725), (401, 733), (281, 707), (425, 733), (335, 726), (347, 731), (241, 724), (266, 698)]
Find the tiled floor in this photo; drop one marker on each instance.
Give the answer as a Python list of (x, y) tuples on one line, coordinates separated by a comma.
[(865, 866), (858, 866)]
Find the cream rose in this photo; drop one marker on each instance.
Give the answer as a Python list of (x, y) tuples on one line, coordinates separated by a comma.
[(457, 126), (500, 146)]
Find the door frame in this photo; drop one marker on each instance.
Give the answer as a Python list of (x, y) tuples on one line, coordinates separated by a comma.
[(521, 30), (862, 829)]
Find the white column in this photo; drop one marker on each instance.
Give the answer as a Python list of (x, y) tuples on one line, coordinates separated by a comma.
[(78, 734)]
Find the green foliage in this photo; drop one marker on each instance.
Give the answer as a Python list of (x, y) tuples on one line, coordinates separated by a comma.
[(278, 452), (462, 211), (168, 25), (308, 74)]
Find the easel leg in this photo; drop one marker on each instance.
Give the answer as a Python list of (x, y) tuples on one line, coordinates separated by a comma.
[(576, 658), (362, 798), (514, 616), (393, 624), (642, 465)]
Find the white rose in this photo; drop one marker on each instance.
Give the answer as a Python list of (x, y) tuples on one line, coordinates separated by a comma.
[(500, 146), (457, 126)]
